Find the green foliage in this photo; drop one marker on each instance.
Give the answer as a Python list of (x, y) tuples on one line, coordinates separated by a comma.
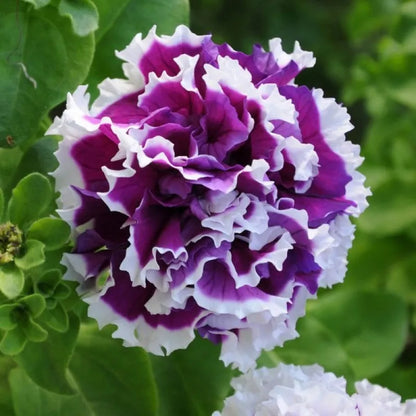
[(17, 320), (33, 255), (1, 204), (31, 400), (191, 382), (113, 379), (6, 404), (29, 200), (37, 158), (38, 3), (82, 13), (58, 347), (362, 346), (52, 232), (9, 159), (11, 280), (42, 60)]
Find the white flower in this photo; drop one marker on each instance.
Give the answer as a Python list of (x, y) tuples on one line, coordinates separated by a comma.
[(290, 390)]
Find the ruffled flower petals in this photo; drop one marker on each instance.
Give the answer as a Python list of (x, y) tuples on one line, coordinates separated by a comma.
[(207, 193), (216, 291), (155, 54), (289, 390), (308, 390)]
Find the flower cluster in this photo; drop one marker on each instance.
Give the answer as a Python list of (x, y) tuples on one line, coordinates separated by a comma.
[(290, 390), (207, 192)]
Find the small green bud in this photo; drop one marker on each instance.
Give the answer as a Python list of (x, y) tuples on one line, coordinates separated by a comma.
[(10, 242)]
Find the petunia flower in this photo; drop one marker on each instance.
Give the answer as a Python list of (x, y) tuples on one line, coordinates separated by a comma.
[(373, 400), (290, 390), (207, 193)]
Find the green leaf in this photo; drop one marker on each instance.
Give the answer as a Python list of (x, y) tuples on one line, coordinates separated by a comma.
[(9, 160), (366, 331), (56, 318), (46, 362), (82, 13), (11, 280), (39, 158), (192, 381), (62, 291), (29, 199), (392, 208), (372, 260), (51, 303), (6, 405), (316, 344), (42, 60), (1, 205), (53, 232), (34, 303), (114, 380), (31, 400), (52, 262), (6, 319), (135, 17), (48, 282), (13, 341), (109, 11), (38, 3), (34, 332), (34, 255)]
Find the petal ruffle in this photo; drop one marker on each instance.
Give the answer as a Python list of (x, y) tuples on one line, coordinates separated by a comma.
[(207, 193)]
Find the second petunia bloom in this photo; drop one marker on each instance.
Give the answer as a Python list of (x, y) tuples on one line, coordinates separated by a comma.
[(206, 192)]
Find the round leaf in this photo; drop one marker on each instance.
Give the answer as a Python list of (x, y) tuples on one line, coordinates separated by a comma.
[(364, 331), (13, 341), (11, 280), (42, 60), (30, 198), (82, 13), (6, 319), (34, 303), (53, 232), (34, 332), (34, 255), (316, 344)]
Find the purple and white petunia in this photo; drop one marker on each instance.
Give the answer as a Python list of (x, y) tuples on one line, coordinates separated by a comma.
[(207, 193), (290, 390)]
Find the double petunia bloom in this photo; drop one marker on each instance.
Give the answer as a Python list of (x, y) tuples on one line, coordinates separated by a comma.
[(207, 192), (290, 390)]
